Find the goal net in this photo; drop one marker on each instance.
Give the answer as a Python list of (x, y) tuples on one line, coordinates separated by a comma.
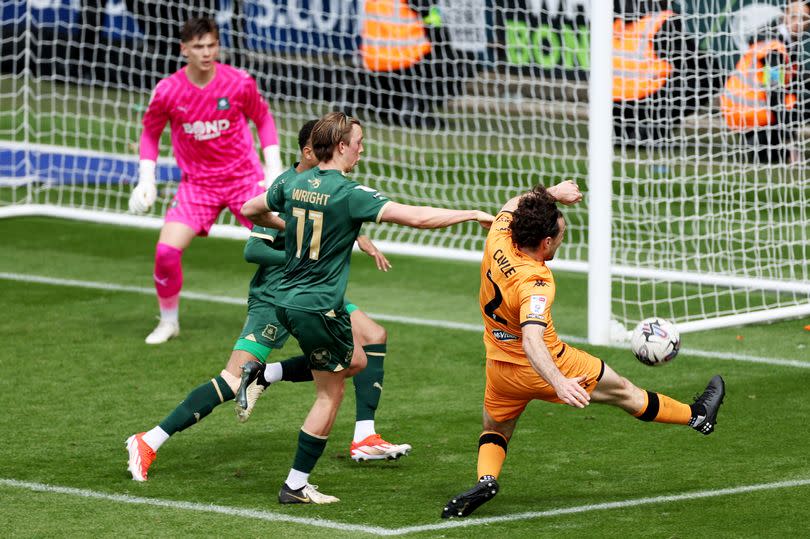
[(689, 214)]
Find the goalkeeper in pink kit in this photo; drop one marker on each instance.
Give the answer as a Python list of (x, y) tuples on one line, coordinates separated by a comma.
[(208, 105)]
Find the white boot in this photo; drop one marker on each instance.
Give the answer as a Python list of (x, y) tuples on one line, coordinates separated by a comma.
[(164, 331)]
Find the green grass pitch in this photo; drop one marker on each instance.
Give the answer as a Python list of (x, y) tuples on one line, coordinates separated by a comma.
[(76, 380)]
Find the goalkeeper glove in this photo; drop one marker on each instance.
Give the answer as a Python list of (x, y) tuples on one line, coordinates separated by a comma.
[(145, 193), (272, 165)]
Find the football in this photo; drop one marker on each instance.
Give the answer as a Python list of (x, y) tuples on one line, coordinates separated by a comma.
[(655, 341)]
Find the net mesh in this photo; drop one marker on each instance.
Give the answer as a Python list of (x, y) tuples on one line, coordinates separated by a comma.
[(708, 220)]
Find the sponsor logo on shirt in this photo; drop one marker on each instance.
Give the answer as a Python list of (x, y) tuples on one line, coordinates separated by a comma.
[(503, 335), (223, 104), (314, 183), (206, 130), (540, 283), (537, 306)]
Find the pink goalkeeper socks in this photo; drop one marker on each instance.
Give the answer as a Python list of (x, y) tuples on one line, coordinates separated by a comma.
[(168, 278)]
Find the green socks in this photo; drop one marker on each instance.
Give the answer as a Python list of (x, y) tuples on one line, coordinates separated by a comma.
[(368, 383), (296, 369), (197, 405), (310, 449)]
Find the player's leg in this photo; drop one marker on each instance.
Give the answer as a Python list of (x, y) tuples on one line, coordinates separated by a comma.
[(261, 333), (312, 440), (192, 213), (328, 344), (649, 406), (506, 396), (168, 277), (368, 387), (257, 376), (142, 447)]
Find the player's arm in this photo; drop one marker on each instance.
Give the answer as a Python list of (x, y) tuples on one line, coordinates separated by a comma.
[(257, 211), (568, 389), (259, 250), (258, 111), (566, 192), (367, 246), (429, 217), (154, 120)]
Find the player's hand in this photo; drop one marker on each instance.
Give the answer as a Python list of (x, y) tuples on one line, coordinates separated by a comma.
[(484, 219), (368, 247), (566, 192), (272, 164), (572, 393), (271, 172), (142, 197)]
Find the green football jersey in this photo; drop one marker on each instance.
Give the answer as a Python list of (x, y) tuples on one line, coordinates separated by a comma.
[(265, 247), (323, 211)]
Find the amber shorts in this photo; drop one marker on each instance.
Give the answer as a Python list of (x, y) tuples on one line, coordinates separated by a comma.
[(510, 387)]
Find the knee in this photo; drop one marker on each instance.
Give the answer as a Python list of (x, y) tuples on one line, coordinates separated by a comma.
[(167, 256), (376, 334), (626, 393), (368, 332), (619, 391)]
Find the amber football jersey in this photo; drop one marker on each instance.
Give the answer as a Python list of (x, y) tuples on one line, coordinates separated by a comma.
[(516, 290)]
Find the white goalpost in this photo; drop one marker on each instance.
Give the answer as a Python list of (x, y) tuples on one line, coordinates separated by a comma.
[(687, 215)]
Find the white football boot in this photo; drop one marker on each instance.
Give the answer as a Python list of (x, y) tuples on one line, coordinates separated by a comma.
[(164, 331), (306, 494)]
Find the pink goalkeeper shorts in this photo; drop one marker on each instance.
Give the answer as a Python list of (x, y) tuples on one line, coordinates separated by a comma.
[(198, 206)]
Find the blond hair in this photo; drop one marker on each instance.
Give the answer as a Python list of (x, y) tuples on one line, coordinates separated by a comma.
[(332, 129)]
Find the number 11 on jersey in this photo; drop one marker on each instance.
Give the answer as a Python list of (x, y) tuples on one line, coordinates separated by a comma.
[(301, 215)]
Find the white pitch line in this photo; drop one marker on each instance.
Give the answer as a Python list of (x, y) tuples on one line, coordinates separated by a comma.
[(444, 324), (376, 530), (686, 496), (191, 506)]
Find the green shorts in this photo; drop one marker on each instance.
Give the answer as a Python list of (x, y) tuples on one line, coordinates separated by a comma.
[(325, 338), (262, 331)]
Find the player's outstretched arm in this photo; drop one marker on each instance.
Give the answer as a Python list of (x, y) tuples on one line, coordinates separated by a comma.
[(428, 217), (566, 192), (257, 211), (367, 246), (568, 389)]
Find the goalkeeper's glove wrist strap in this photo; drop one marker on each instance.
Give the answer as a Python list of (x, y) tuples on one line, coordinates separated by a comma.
[(146, 172)]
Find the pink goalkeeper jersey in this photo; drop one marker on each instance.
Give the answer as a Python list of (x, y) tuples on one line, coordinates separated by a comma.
[(211, 137)]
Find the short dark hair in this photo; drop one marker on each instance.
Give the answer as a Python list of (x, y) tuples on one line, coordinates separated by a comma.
[(305, 133), (197, 28), (332, 129), (536, 218)]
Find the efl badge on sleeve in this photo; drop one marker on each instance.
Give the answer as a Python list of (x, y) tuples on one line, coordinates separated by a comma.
[(538, 307)]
